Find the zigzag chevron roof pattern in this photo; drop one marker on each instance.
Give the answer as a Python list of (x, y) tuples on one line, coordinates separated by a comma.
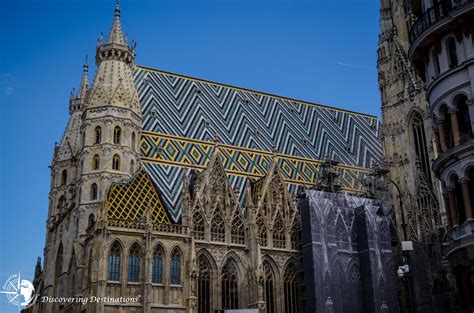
[(196, 109)]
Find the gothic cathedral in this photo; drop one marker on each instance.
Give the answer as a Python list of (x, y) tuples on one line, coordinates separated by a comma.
[(182, 193)]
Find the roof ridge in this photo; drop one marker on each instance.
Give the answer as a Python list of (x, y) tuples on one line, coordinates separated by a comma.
[(146, 68)]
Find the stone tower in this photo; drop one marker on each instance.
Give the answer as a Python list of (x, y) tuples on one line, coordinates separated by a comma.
[(111, 122), (100, 146), (406, 134), (410, 148)]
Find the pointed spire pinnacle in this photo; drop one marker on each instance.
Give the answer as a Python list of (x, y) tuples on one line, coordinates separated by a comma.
[(115, 35), (84, 81)]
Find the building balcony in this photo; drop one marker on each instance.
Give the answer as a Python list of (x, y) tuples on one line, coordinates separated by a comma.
[(443, 10), (453, 155), (444, 17), (462, 237)]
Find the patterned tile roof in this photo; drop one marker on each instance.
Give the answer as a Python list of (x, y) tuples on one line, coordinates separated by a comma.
[(182, 116)]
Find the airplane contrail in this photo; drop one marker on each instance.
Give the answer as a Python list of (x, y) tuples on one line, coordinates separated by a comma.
[(348, 64)]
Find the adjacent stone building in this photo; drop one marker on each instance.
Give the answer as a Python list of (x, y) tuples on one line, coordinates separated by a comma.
[(442, 50), (425, 52)]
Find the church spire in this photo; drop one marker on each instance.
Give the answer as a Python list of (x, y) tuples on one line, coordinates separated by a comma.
[(76, 101), (84, 81), (113, 83), (115, 35)]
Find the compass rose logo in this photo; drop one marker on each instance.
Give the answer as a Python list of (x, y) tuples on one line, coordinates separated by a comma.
[(19, 292)]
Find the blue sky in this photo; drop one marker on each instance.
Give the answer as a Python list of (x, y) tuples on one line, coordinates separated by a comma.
[(320, 51)]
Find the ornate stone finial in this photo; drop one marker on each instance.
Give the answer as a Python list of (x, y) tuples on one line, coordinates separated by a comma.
[(115, 48), (38, 264), (327, 178), (84, 86), (38, 272), (117, 8), (115, 35), (274, 148), (216, 138)]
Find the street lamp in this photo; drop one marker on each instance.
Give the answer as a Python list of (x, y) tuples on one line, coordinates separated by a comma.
[(407, 245), (402, 270)]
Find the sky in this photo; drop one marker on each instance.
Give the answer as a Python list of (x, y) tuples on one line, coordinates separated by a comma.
[(319, 51)]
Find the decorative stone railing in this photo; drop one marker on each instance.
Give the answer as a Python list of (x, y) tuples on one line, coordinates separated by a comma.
[(170, 228), (437, 12), (140, 225), (124, 223)]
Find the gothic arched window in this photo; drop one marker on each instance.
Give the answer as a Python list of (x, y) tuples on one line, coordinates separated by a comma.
[(355, 289), (94, 191), (469, 175), (464, 119), (452, 53), (290, 289), (95, 162), (91, 221), (133, 141), (157, 266), (58, 267), (294, 237), (64, 178), (435, 61), (114, 262), (419, 141), (116, 162), (98, 135), (61, 204), (229, 286), (458, 200), (445, 118), (237, 231), (262, 231), (217, 227), (132, 166), (175, 269), (198, 224), (117, 135), (279, 239), (204, 285), (269, 288), (134, 264), (59, 261)]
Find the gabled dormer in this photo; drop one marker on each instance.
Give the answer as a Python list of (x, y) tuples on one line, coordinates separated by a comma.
[(275, 214)]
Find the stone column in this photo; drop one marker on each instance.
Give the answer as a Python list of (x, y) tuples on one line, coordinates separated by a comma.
[(442, 135), (470, 105), (454, 124), (437, 141), (453, 206), (448, 210), (147, 291), (467, 198)]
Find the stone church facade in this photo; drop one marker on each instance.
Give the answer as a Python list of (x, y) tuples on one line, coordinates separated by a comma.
[(181, 193)]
